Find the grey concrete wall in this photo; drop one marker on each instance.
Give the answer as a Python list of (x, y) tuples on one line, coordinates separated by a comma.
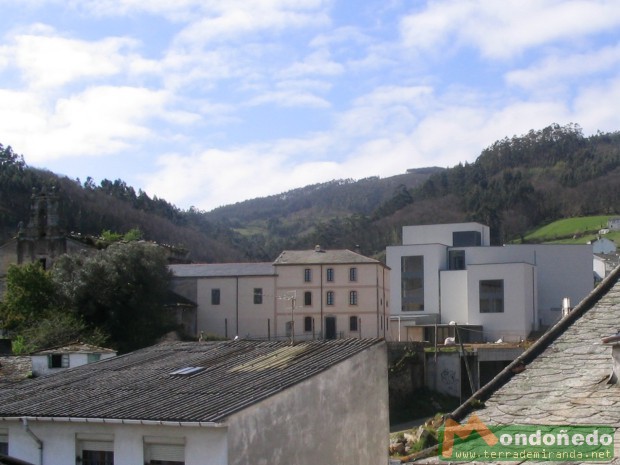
[(338, 416), (444, 374)]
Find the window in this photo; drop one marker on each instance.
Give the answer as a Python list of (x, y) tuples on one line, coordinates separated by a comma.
[(215, 296), (289, 328), (164, 451), (492, 296), (352, 274), (466, 239), (330, 274), (95, 451), (308, 324), (330, 298), (353, 298), (4, 441), (90, 358), (307, 299), (307, 275), (456, 259), (258, 295), (58, 361), (412, 283), (353, 323)]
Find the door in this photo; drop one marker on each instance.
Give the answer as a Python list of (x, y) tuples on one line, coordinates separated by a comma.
[(330, 327)]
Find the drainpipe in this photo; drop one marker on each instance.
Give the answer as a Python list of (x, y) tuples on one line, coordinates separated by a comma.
[(35, 438)]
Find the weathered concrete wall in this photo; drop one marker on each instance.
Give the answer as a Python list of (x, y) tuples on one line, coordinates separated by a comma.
[(444, 375), (338, 416)]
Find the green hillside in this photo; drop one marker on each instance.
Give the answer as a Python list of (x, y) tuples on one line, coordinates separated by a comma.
[(572, 231)]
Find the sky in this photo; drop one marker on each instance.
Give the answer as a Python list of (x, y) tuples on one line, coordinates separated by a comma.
[(210, 102)]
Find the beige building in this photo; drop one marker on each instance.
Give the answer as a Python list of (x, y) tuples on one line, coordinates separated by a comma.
[(331, 294), (308, 294)]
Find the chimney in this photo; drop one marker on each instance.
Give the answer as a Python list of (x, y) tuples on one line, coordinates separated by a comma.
[(566, 308), (614, 341)]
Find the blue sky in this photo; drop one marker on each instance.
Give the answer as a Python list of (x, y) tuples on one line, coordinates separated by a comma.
[(210, 102)]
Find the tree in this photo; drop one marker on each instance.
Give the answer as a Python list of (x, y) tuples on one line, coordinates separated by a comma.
[(121, 290), (30, 294)]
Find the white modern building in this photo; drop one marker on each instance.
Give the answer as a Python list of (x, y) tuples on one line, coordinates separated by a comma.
[(450, 273), (215, 403)]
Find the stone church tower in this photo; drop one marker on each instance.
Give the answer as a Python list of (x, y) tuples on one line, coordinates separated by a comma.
[(41, 240)]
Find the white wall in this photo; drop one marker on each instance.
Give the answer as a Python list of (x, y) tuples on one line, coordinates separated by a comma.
[(40, 365), (441, 233), (454, 299), (338, 416), (518, 318), (203, 445), (562, 271)]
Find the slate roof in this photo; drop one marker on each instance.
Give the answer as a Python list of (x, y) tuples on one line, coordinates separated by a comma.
[(314, 257), (562, 378), (141, 386), (214, 270)]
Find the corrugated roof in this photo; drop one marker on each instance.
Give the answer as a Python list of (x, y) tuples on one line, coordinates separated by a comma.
[(214, 270), (314, 257), (140, 386)]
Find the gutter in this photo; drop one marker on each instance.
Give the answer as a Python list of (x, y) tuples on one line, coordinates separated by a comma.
[(24, 420), (34, 437)]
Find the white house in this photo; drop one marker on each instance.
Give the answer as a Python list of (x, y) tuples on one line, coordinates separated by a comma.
[(55, 359), (604, 246), (217, 403), (310, 294), (451, 273)]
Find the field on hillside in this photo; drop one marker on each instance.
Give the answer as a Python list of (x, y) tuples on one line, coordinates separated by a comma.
[(572, 231)]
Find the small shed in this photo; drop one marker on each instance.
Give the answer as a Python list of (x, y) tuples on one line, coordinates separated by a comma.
[(55, 359)]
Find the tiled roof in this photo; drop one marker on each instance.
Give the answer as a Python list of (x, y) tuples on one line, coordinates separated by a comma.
[(565, 380), (75, 347), (141, 386), (562, 378), (314, 257), (214, 270)]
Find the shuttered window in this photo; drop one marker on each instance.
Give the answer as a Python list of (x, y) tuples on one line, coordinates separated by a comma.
[(95, 452), (164, 451)]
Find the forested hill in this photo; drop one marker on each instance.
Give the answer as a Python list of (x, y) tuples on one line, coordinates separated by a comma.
[(514, 185)]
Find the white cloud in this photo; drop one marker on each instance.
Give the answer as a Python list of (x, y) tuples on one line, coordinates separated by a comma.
[(289, 99), (317, 63), (101, 120), (231, 20), (596, 108), (47, 60), (503, 29), (565, 67)]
